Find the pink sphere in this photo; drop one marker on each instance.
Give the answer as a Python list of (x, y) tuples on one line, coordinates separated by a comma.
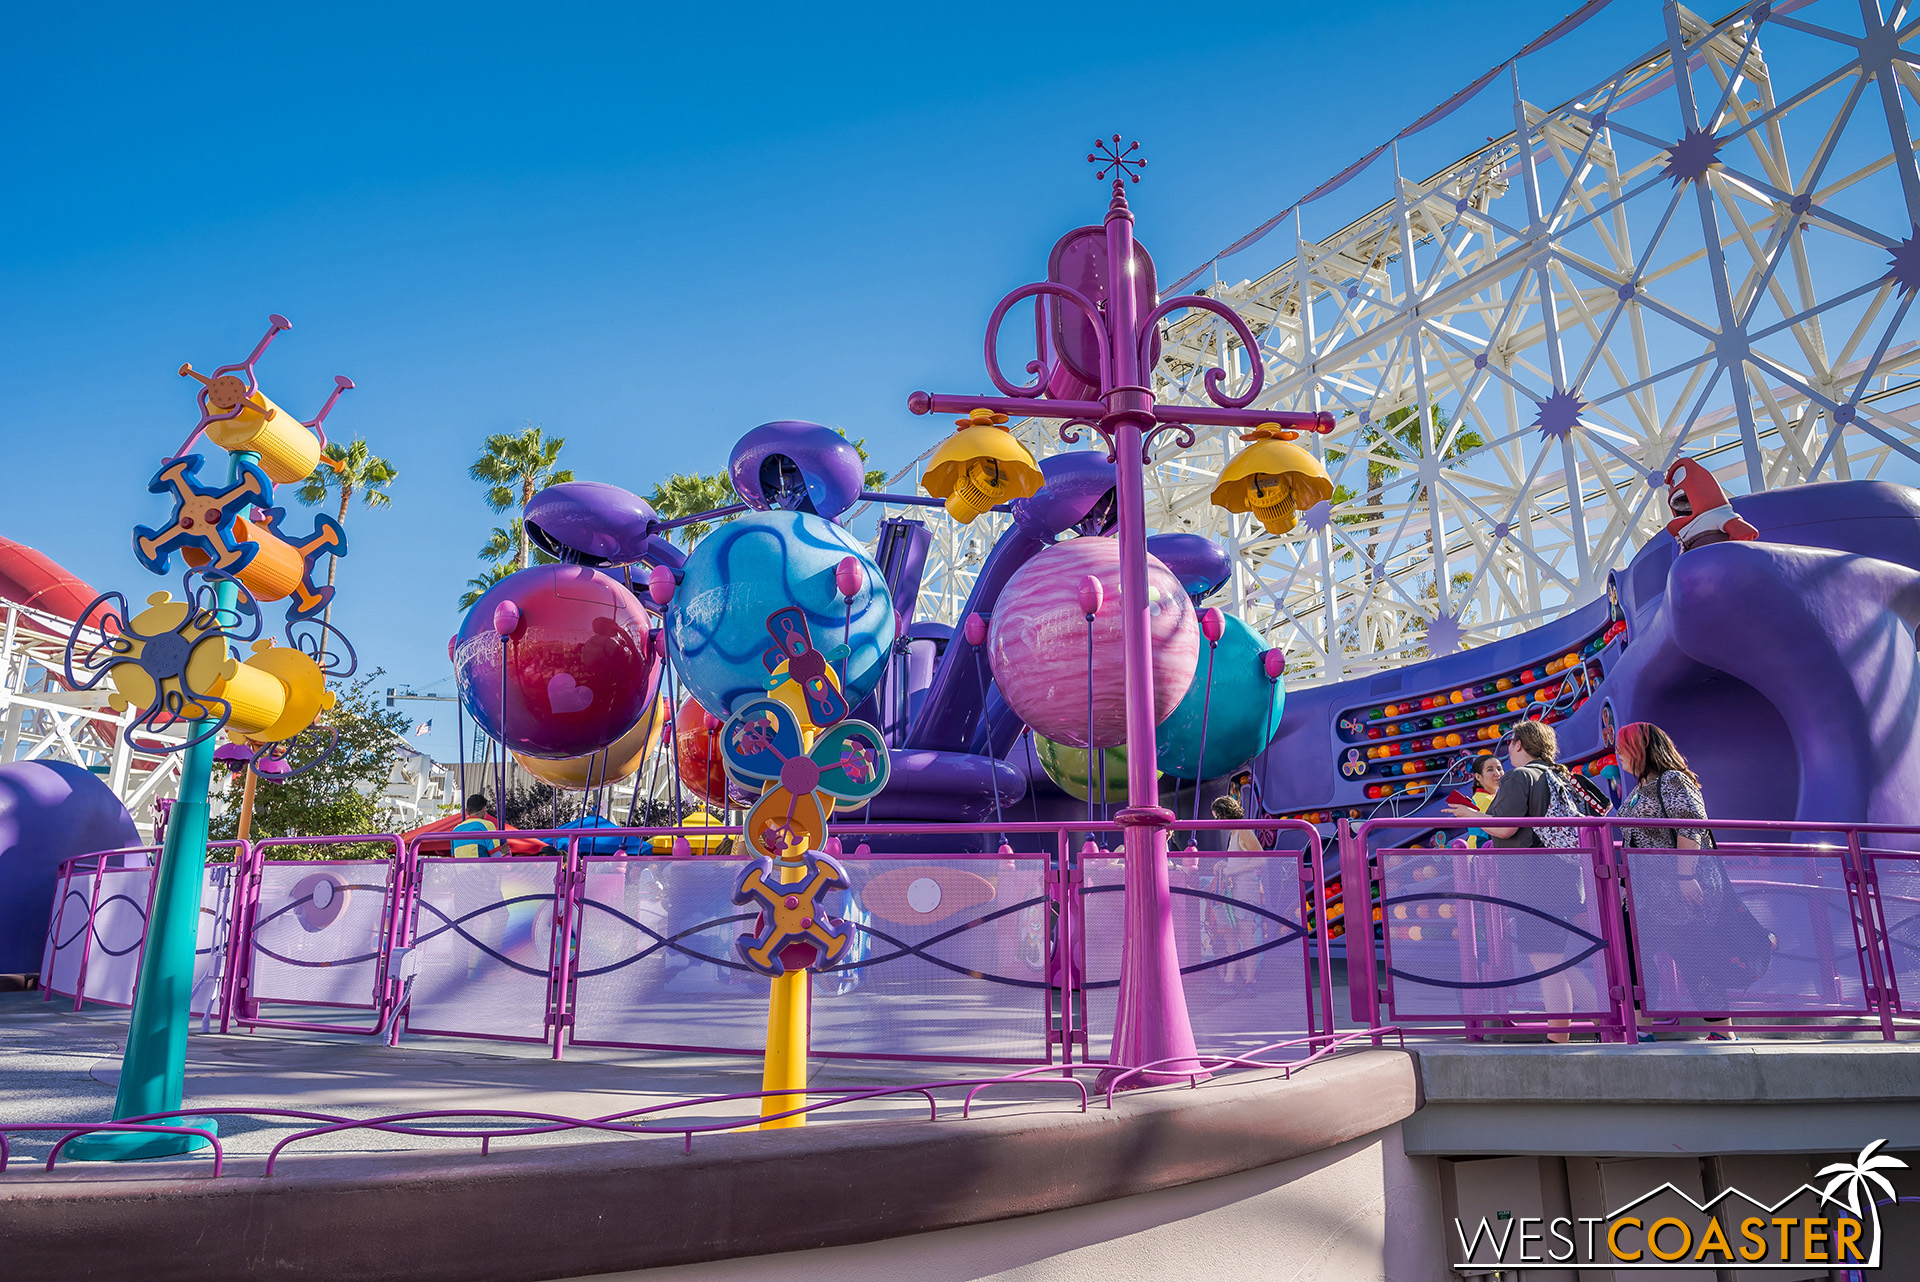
[(1037, 643), (579, 661)]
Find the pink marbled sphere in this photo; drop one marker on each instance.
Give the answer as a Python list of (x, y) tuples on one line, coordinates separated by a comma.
[(1037, 643)]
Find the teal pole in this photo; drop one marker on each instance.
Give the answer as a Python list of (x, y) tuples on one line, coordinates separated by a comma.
[(153, 1070)]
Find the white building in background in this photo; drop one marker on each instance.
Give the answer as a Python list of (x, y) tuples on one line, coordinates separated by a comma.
[(419, 789)]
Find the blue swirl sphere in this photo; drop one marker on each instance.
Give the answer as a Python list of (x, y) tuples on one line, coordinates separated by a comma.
[(759, 563)]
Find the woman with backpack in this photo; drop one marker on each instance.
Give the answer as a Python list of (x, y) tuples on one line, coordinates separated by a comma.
[(1683, 903), (1554, 882)]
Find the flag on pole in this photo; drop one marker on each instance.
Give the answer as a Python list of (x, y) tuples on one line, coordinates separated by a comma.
[(425, 727)]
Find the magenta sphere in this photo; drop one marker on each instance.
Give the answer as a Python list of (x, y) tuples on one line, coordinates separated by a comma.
[(1037, 643), (579, 661), (848, 577), (1091, 591), (660, 584)]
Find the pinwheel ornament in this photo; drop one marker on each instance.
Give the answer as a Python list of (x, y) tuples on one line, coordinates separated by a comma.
[(762, 748), (793, 658), (794, 930)]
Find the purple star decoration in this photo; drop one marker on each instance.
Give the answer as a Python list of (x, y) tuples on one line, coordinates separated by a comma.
[(1689, 159), (1558, 415), (1904, 266), (1444, 634), (1315, 518)]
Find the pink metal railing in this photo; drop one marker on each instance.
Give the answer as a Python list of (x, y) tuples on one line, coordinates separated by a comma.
[(1825, 898), (1847, 913)]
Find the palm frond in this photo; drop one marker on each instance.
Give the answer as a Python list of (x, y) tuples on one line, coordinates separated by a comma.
[(478, 585)]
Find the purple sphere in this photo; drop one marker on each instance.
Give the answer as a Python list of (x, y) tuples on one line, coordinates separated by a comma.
[(579, 668), (800, 467), (1078, 496), (1202, 565), (590, 523)]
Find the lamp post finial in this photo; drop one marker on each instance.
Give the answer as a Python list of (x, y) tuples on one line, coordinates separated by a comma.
[(1108, 158)]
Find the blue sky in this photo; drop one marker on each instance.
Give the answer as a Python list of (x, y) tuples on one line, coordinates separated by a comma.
[(647, 228)]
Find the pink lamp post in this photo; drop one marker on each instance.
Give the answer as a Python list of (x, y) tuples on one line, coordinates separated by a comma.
[(1100, 352)]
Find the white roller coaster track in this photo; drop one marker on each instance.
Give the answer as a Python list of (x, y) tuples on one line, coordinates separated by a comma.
[(42, 720), (1552, 319)]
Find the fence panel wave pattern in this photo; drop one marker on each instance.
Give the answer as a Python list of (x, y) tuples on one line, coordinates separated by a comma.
[(316, 933), (1689, 908), (948, 958), (1472, 933), (98, 925)]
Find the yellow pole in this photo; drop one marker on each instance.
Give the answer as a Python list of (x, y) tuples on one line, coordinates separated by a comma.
[(786, 1062), (786, 1068), (787, 1001), (246, 805)]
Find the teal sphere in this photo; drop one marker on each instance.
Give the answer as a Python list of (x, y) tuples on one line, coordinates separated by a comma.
[(1244, 713), (746, 569)]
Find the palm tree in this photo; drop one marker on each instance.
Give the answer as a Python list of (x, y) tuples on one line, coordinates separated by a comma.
[(1389, 444), (688, 494), (874, 477), (514, 469), (501, 550), (346, 470), (477, 586)]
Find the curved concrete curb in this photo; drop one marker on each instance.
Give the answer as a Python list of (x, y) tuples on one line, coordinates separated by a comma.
[(570, 1210)]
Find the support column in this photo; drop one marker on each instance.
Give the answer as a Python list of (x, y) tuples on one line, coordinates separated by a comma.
[(1150, 1024), (153, 1070)]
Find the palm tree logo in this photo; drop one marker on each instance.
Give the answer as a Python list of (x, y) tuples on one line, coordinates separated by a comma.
[(1861, 1178)]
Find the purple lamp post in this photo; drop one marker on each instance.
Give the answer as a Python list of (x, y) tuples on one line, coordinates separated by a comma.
[(1098, 345)]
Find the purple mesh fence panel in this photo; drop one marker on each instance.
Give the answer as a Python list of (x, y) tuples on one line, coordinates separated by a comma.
[(1231, 912), (1680, 945), (119, 929), (67, 931), (1485, 933), (948, 961), (656, 965), (317, 932), (1900, 903), (111, 974), (484, 931), (210, 948)]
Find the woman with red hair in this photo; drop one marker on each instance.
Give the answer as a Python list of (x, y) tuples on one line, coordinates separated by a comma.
[(1677, 900)]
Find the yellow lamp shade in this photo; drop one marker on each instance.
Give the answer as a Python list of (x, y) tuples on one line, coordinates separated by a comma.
[(255, 698), (980, 465), (1274, 479)]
